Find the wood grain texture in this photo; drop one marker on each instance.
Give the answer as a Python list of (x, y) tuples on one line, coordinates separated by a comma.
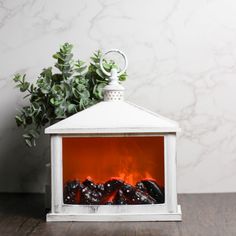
[(203, 215)]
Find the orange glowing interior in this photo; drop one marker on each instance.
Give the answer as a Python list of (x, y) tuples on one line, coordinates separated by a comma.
[(129, 158)]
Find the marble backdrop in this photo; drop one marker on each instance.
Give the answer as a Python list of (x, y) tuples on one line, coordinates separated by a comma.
[(182, 64)]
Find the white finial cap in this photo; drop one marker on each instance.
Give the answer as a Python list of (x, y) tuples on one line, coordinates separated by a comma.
[(114, 91)]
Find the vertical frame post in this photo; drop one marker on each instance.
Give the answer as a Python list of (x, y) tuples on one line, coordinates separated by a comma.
[(170, 172), (56, 173)]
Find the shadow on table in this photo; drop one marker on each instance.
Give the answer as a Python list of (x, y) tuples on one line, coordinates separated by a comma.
[(29, 205)]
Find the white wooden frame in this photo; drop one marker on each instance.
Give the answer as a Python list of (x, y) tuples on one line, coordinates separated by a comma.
[(169, 211)]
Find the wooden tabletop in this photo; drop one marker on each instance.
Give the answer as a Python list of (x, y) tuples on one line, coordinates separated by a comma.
[(203, 215)]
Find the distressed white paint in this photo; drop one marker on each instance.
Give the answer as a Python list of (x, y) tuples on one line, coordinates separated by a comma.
[(170, 172), (156, 212), (108, 217), (114, 91), (113, 117), (56, 174)]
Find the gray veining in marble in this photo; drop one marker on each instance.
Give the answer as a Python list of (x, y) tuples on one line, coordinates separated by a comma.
[(182, 64)]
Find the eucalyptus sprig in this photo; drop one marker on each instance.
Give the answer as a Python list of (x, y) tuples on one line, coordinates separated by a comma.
[(55, 96)]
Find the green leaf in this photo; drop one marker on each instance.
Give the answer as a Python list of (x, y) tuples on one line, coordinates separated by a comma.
[(19, 121), (58, 56), (100, 89), (33, 133), (31, 88), (81, 69), (24, 86), (28, 142), (71, 108), (99, 72), (26, 136), (17, 78), (60, 112), (123, 77), (106, 66)]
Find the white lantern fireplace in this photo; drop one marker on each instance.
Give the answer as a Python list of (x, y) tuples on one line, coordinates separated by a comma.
[(114, 161)]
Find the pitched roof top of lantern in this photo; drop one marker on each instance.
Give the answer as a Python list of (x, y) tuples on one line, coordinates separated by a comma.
[(113, 117)]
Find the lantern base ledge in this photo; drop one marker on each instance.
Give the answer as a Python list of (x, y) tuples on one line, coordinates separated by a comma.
[(175, 216)]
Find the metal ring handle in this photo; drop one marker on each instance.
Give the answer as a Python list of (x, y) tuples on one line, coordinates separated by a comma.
[(124, 57)]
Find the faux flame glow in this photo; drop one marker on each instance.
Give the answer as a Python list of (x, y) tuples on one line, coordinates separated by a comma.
[(129, 158)]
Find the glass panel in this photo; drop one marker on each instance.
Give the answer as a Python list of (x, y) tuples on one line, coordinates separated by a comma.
[(113, 170)]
